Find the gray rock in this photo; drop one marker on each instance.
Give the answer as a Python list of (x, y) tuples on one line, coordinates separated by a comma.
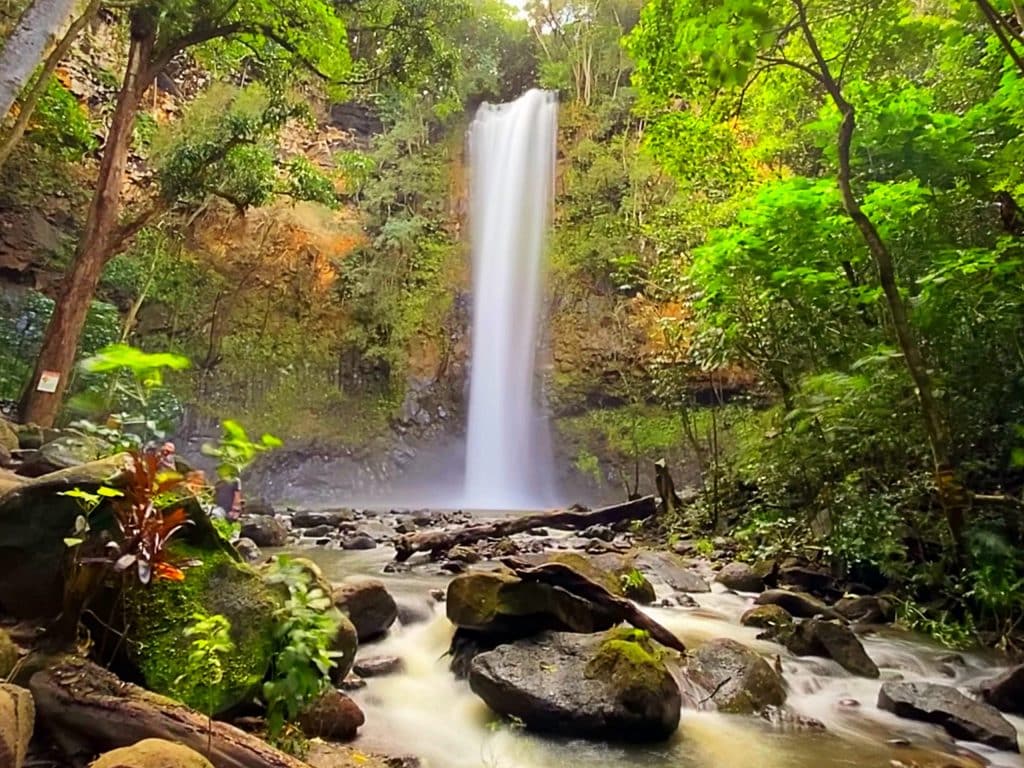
[(799, 604), (369, 606), (866, 610), (248, 549), (309, 519), (581, 685), (319, 531), (600, 532), (741, 577), (264, 531), (805, 578), (736, 678), (816, 637), (378, 666), (359, 541), (770, 617), (962, 717), (1006, 691), (670, 570), (414, 611)]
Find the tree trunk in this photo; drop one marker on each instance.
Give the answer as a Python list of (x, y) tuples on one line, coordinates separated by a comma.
[(42, 81), (60, 341), (25, 48), (88, 710), (440, 541)]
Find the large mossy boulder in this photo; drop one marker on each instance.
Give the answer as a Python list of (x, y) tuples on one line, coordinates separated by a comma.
[(158, 614), (153, 753), (614, 686), (501, 603)]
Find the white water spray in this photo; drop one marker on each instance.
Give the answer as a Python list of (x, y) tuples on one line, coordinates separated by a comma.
[(508, 454)]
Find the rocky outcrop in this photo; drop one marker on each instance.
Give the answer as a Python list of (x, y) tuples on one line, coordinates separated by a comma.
[(1006, 691), (613, 686), (334, 716), (798, 604), (735, 678), (962, 717), (741, 577), (816, 637), (264, 531), (153, 753), (368, 605), (17, 721)]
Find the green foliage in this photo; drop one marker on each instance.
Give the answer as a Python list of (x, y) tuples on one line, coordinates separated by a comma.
[(304, 632), (61, 126), (211, 644), (235, 451)]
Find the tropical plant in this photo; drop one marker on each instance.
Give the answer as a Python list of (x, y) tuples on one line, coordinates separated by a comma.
[(235, 451)]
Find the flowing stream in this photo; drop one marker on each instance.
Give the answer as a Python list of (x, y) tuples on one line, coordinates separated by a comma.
[(425, 711), (508, 454)]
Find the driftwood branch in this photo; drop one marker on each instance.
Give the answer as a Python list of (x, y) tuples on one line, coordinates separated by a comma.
[(440, 541), (561, 575), (89, 710)]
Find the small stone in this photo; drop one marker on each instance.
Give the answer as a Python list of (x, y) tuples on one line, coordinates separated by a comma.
[(352, 683), (334, 716), (438, 595), (379, 666)]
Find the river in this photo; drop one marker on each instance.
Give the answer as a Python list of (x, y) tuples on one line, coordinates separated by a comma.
[(426, 712)]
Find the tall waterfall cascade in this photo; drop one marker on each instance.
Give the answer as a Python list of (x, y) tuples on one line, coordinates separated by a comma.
[(512, 155)]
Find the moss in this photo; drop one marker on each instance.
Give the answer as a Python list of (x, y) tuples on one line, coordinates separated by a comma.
[(8, 654), (158, 614), (630, 661)]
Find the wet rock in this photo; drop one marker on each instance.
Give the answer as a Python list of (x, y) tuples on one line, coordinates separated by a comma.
[(8, 654), (319, 531), (816, 637), (685, 601), (334, 716), (866, 610), (742, 577), (369, 605), (453, 566), (414, 612), (737, 679), (962, 717), (538, 532), (438, 595), (799, 604), (264, 531), (352, 683), (359, 541), (248, 549), (17, 721), (613, 686), (770, 617), (153, 753), (670, 570), (378, 666), (309, 519), (501, 603), (1005, 692), (786, 720), (69, 450), (805, 578), (463, 554), (600, 532), (257, 505), (345, 643), (405, 526)]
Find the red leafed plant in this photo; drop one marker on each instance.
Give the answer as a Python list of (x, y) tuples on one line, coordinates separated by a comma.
[(148, 518)]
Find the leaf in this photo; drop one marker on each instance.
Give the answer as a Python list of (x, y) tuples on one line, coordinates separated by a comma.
[(72, 542)]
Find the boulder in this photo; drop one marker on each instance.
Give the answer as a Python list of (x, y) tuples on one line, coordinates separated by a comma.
[(257, 505), (307, 519), (1005, 692), (153, 753), (741, 577), (799, 604), (346, 643), (157, 614), (805, 578), (816, 637), (866, 610), (359, 541), (963, 718), (8, 654), (378, 666), (738, 680), (69, 450), (415, 611), (369, 606), (613, 686), (769, 617), (501, 603), (333, 716), (248, 550), (670, 569), (264, 531), (318, 532), (17, 721)]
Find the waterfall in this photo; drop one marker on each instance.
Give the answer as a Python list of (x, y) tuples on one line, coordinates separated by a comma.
[(508, 451)]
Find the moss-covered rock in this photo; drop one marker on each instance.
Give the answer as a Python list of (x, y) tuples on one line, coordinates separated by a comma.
[(8, 654), (153, 753), (738, 680), (772, 618), (158, 614)]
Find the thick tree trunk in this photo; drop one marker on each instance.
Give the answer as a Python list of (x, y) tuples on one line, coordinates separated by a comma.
[(31, 100), (88, 710), (60, 341), (25, 48), (440, 541)]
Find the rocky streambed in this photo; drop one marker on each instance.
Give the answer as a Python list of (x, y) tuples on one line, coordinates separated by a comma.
[(781, 668)]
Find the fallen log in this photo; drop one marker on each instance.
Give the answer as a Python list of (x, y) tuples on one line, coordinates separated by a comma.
[(89, 710), (441, 541), (561, 575)]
